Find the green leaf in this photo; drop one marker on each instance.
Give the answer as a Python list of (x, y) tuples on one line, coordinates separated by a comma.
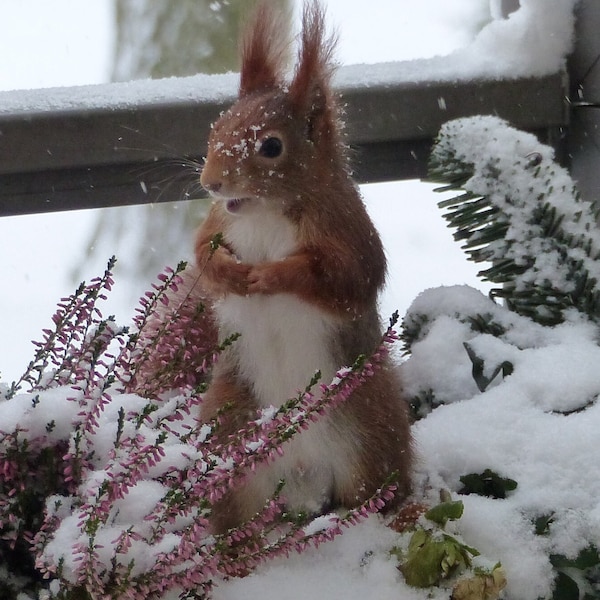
[(542, 524), (565, 588), (478, 372), (423, 565), (446, 511), (431, 558), (586, 559), (216, 242), (488, 484)]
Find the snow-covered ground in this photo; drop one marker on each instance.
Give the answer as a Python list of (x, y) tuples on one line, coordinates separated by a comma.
[(537, 426)]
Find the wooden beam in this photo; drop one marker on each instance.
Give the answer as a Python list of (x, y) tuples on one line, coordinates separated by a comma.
[(57, 155)]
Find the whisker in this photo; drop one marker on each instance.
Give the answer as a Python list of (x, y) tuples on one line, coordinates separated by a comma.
[(187, 179), (163, 175), (156, 143)]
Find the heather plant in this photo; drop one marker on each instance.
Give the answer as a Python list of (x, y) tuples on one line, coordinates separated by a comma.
[(108, 473)]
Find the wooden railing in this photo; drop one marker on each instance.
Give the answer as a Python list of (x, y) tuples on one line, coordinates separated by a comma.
[(68, 149)]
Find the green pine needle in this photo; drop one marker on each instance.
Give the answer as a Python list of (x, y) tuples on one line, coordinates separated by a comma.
[(519, 212)]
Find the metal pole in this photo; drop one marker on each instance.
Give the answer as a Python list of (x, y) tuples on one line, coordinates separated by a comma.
[(584, 132)]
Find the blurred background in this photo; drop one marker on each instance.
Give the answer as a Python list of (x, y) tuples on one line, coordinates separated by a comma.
[(69, 43)]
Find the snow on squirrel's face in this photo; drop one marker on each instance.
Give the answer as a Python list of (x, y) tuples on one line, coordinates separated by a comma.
[(258, 153)]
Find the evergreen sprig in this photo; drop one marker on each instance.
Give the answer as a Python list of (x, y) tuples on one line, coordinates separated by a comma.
[(518, 211)]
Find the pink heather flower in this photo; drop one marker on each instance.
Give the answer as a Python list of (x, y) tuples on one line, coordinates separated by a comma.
[(166, 359)]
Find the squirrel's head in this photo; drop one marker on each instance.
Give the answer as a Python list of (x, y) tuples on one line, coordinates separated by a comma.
[(281, 138)]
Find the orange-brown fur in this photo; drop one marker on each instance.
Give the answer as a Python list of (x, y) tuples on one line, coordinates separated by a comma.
[(329, 267)]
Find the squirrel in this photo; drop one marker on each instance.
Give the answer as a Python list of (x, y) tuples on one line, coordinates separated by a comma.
[(297, 274)]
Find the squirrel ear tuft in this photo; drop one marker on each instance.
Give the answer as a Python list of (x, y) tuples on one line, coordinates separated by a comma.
[(264, 49), (310, 90)]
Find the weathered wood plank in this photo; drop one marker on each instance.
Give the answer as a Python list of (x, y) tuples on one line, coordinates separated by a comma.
[(87, 156)]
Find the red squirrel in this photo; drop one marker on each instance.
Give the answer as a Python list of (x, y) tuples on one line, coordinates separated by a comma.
[(297, 274)]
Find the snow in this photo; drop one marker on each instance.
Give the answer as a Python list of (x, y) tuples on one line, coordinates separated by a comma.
[(128, 94), (507, 430), (34, 413), (354, 565), (537, 425)]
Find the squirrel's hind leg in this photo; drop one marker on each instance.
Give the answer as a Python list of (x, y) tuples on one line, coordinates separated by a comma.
[(382, 431)]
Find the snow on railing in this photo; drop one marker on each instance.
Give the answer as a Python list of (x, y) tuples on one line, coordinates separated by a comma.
[(132, 143)]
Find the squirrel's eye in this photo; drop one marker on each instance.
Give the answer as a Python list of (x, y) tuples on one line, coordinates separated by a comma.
[(271, 147)]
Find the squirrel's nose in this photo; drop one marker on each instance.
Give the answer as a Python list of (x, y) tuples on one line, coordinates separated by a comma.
[(210, 178), (211, 187)]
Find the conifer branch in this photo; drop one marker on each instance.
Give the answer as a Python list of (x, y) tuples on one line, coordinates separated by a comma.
[(518, 211)]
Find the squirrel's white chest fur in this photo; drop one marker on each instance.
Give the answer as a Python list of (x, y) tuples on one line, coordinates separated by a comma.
[(284, 341), (259, 234)]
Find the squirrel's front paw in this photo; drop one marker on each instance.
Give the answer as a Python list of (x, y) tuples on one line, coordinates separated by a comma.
[(264, 279), (224, 274), (235, 279)]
